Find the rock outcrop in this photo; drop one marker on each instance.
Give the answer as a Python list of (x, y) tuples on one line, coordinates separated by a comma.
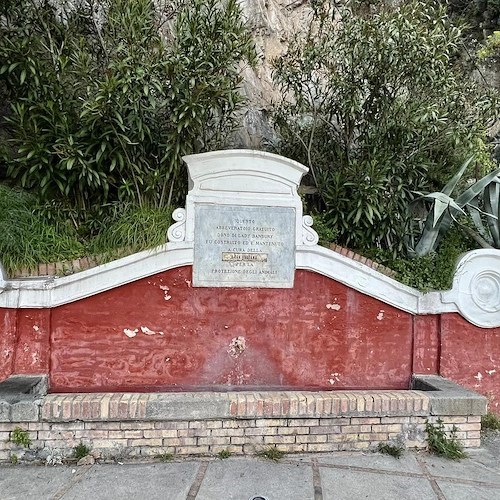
[(272, 23)]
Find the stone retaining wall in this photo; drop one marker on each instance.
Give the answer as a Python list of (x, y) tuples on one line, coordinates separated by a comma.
[(132, 425), (121, 439)]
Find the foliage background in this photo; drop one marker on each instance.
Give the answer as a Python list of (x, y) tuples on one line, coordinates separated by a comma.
[(104, 99), (377, 105), (104, 107)]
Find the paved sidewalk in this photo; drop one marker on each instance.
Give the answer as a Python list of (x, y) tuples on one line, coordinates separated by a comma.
[(333, 476)]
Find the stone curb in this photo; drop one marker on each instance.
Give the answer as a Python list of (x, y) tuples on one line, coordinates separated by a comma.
[(239, 405), (448, 398), (21, 399)]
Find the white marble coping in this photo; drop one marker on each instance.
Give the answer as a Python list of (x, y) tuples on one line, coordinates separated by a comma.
[(475, 293), (52, 291)]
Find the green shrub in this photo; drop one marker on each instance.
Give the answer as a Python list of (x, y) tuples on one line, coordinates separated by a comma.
[(326, 233), (443, 444), (434, 271), (104, 107), (378, 110)]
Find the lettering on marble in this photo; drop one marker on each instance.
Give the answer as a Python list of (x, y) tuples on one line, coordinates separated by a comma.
[(244, 246)]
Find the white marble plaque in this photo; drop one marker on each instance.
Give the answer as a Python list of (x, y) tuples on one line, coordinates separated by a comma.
[(243, 246)]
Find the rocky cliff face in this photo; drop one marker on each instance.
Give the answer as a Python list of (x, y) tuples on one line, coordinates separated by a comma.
[(272, 23)]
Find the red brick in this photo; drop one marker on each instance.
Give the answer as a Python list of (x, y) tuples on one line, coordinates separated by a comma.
[(326, 404), (326, 429), (268, 408), (260, 408), (279, 439), (344, 404), (317, 438), (285, 405), (302, 404)]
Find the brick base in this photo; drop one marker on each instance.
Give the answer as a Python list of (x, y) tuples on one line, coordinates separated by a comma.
[(194, 437), (132, 425)]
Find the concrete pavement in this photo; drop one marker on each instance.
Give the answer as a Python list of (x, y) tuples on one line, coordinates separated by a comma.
[(332, 476)]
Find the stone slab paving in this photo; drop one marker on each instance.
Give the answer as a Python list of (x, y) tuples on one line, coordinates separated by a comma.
[(454, 491), (235, 479), (463, 470), (135, 481), (332, 476), (407, 462), (354, 484), (33, 482)]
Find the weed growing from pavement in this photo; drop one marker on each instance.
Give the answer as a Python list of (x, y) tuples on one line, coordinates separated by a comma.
[(395, 450), (224, 454), (20, 437), (165, 457), (442, 444), (271, 453), (81, 451), (13, 459), (490, 421)]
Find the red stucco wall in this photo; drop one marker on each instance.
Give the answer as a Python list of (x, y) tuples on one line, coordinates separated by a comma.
[(24, 341), (426, 347), (471, 356), (33, 341), (320, 334), (8, 334)]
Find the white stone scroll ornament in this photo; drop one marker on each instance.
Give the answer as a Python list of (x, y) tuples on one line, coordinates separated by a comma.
[(476, 288), (309, 235), (3, 277), (177, 231)]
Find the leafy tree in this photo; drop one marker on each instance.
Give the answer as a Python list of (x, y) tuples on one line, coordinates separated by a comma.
[(376, 106), (104, 104), (487, 13)]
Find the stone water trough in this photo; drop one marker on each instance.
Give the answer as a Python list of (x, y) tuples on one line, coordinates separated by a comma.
[(241, 333)]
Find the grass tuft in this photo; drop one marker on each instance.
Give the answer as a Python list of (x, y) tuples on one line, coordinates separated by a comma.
[(165, 457), (394, 450), (81, 451), (32, 234), (271, 453), (20, 437), (131, 227), (490, 421), (28, 238)]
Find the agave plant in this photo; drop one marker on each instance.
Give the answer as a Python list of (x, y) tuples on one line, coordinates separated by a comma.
[(489, 226), (482, 201)]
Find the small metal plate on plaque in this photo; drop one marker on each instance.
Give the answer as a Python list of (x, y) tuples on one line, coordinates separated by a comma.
[(243, 246)]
